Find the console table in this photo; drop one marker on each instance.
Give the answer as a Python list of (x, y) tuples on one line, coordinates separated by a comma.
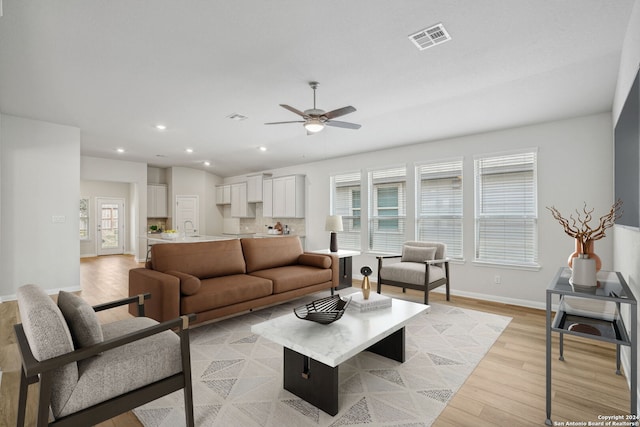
[(593, 314), (346, 265)]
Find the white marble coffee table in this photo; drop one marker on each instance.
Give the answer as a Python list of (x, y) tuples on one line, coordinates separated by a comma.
[(313, 352)]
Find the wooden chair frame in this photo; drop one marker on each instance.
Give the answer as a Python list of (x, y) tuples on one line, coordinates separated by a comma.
[(426, 287), (41, 371)]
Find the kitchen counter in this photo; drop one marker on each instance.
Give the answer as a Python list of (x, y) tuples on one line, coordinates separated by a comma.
[(185, 239)]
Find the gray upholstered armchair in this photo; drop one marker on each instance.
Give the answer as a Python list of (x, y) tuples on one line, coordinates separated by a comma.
[(423, 266), (89, 372)]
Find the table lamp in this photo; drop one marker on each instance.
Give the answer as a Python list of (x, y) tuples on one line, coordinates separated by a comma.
[(333, 224)]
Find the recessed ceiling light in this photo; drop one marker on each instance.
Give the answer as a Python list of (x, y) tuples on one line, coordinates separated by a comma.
[(161, 127), (206, 163), (120, 150), (189, 150), (262, 148)]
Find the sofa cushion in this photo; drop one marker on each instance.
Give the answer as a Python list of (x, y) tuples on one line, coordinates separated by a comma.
[(125, 368), (315, 260), (199, 259), (81, 319), (294, 277), (410, 272), (223, 291), (189, 284), (48, 336), (270, 252), (417, 253)]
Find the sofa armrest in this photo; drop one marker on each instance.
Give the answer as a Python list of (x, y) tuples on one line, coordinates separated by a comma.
[(315, 260), (311, 258), (189, 284), (164, 288)]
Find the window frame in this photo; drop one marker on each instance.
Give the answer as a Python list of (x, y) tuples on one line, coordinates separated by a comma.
[(443, 169), (343, 204), (84, 218), (490, 215), (392, 238)]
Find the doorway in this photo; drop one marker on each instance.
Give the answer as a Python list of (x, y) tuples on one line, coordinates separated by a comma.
[(110, 228), (187, 215)]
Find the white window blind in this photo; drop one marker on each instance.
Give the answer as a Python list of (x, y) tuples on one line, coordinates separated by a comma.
[(387, 212), (506, 209), (345, 190), (440, 205)]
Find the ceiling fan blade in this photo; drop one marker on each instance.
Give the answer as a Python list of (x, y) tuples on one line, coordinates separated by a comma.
[(339, 112), (339, 124), (293, 110), (281, 123)]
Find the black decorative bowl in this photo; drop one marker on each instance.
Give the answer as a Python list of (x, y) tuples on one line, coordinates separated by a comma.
[(324, 310)]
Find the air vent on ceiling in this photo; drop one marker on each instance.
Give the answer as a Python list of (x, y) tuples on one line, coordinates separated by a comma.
[(237, 117), (429, 37)]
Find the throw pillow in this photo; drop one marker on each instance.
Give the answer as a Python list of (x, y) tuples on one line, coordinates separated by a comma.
[(417, 253), (81, 319), (189, 284)]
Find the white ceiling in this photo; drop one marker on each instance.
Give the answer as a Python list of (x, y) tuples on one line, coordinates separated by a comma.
[(116, 68)]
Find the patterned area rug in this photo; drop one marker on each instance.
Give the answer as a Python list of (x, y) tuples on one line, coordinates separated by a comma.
[(237, 376)]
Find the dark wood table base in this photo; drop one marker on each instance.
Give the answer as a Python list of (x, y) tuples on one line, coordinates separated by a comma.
[(317, 383)]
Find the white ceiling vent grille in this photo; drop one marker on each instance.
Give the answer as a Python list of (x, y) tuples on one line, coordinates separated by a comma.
[(429, 37)]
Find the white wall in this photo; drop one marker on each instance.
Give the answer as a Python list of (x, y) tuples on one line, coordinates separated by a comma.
[(193, 182), (132, 173), (92, 190), (626, 251), (40, 167), (574, 165)]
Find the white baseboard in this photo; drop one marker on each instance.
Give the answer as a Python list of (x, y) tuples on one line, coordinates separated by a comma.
[(52, 291)]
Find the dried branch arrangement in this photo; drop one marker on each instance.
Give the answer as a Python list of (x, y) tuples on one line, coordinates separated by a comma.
[(578, 226)]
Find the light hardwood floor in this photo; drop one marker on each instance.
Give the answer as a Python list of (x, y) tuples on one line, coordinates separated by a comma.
[(506, 389)]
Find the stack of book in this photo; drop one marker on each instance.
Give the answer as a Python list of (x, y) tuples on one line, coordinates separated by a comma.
[(374, 302)]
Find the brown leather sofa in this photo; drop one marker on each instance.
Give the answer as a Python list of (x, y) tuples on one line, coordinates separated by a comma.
[(220, 278)]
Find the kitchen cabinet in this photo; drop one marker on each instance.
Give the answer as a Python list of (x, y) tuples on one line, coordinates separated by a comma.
[(240, 207), (157, 201), (267, 198), (223, 194), (255, 191), (288, 196)]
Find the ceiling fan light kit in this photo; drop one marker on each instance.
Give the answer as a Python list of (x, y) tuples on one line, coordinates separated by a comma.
[(314, 125), (315, 119)]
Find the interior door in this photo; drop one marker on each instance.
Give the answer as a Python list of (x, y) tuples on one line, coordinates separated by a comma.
[(110, 233), (187, 215)]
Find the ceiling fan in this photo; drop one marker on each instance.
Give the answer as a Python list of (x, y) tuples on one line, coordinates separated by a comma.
[(315, 119)]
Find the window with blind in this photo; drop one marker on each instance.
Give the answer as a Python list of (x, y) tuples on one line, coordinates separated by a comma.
[(345, 195), (387, 212), (506, 209), (439, 213)]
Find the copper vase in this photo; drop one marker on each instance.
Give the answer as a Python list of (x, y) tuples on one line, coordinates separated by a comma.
[(585, 250)]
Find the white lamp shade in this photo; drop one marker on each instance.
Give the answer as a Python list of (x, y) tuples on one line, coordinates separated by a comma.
[(333, 223)]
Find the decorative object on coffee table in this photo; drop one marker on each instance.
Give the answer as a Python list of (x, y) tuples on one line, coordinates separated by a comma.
[(578, 228), (333, 224), (366, 286), (324, 310), (374, 302)]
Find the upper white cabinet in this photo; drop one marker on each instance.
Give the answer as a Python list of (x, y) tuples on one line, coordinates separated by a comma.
[(288, 197), (267, 198), (223, 194), (240, 207), (157, 201), (255, 191)]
